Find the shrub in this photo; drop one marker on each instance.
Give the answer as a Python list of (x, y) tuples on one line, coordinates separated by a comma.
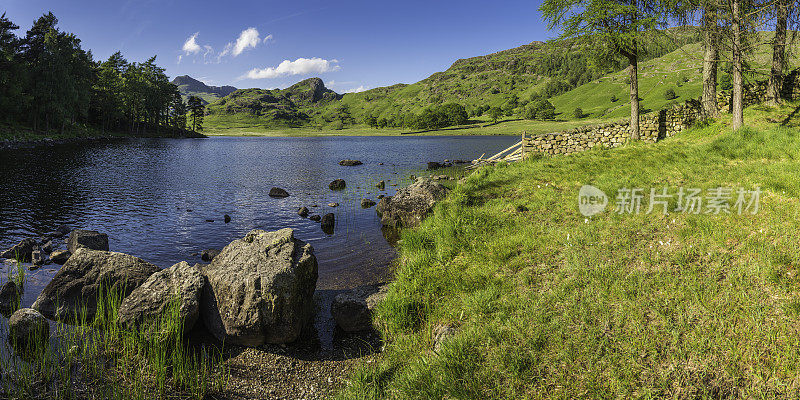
[(578, 113), (614, 98), (669, 94)]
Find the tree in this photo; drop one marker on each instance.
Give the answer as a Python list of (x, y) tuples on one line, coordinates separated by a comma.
[(775, 83), (10, 71), (618, 24), (669, 94), (495, 113), (710, 26), (371, 121), (540, 109), (454, 114), (196, 112), (737, 78)]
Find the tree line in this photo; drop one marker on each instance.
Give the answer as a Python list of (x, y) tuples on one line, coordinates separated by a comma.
[(729, 27), (48, 82)]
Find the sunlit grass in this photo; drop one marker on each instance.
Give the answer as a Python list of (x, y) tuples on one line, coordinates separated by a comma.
[(552, 304)]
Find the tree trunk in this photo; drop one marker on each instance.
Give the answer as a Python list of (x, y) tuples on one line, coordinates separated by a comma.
[(778, 53), (711, 44), (737, 101), (633, 73)]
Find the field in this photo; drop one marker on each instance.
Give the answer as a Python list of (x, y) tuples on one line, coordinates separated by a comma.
[(541, 301)]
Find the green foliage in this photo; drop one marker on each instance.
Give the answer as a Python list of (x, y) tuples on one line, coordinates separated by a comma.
[(540, 110), (196, 112), (495, 113), (614, 98), (578, 113), (49, 82), (669, 94)]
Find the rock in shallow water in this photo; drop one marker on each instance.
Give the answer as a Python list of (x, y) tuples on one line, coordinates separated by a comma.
[(303, 212), (315, 218), (337, 184), (92, 240), (182, 283), (350, 163), (26, 325), (21, 250), (328, 222), (352, 311), (409, 206), (77, 284), (367, 203), (60, 256), (278, 193), (9, 297), (260, 289)]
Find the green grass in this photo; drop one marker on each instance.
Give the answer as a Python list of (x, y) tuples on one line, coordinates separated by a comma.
[(551, 304), (98, 358)]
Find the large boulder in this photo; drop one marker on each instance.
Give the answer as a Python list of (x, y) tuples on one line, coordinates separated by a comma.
[(76, 286), (278, 193), (92, 240), (409, 206), (27, 327), (260, 289), (352, 311), (21, 250), (181, 283)]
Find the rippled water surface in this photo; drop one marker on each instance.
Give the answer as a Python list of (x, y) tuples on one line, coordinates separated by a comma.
[(153, 197)]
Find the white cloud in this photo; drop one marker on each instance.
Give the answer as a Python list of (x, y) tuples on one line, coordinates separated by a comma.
[(191, 46), (358, 89), (249, 38), (301, 66)]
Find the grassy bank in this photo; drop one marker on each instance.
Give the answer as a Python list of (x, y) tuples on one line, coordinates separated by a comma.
[(233, 126), (548, 303)]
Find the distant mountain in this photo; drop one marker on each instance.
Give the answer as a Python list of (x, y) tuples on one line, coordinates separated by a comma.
[(189, 86), (292, 106)]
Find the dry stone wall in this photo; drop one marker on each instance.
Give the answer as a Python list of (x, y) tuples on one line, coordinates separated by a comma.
[(653, 126)]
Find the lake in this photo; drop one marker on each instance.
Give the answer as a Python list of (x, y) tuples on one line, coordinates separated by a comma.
[(153, 197)]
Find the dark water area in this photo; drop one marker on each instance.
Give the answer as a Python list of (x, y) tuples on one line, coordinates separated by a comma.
[(153, 197)]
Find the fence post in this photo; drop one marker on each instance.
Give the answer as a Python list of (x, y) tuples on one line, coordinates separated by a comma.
[(523, 146)]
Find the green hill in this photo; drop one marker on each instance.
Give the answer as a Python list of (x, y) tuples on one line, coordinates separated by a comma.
[(505, 79)]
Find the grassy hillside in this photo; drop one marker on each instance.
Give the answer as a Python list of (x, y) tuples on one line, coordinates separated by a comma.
[(545, 302), (680, 71), (505, 79)]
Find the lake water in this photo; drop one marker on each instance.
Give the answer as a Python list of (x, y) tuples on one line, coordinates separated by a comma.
[(153, 197)]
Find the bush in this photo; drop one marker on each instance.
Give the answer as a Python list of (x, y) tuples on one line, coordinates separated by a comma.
[(495, 113), (670, 94), (578, 113), (614, 98), (540, 109)]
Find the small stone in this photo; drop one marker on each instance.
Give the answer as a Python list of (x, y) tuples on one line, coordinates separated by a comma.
[(367, 203), (208, 255), (381, 185), (315, 218), (278, 193), (60, 256), (350, 163), (227, 218), (333, 204), (337, 184), (303, 212), (27, 327)]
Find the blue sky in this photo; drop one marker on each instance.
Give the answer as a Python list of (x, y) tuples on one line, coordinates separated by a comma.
[(350, 44)]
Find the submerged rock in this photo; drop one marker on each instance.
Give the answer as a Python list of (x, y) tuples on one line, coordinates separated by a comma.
[(333, 204), (21, 250), (278, 193), (352, 311), (92, 240), (303, 212), (181, 283), (227, 218), (350, 163), (315, 218), (27, 327), (409, 206), (381, 185), (337, 184), (260, 289), (76, 286), (433, 165)]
